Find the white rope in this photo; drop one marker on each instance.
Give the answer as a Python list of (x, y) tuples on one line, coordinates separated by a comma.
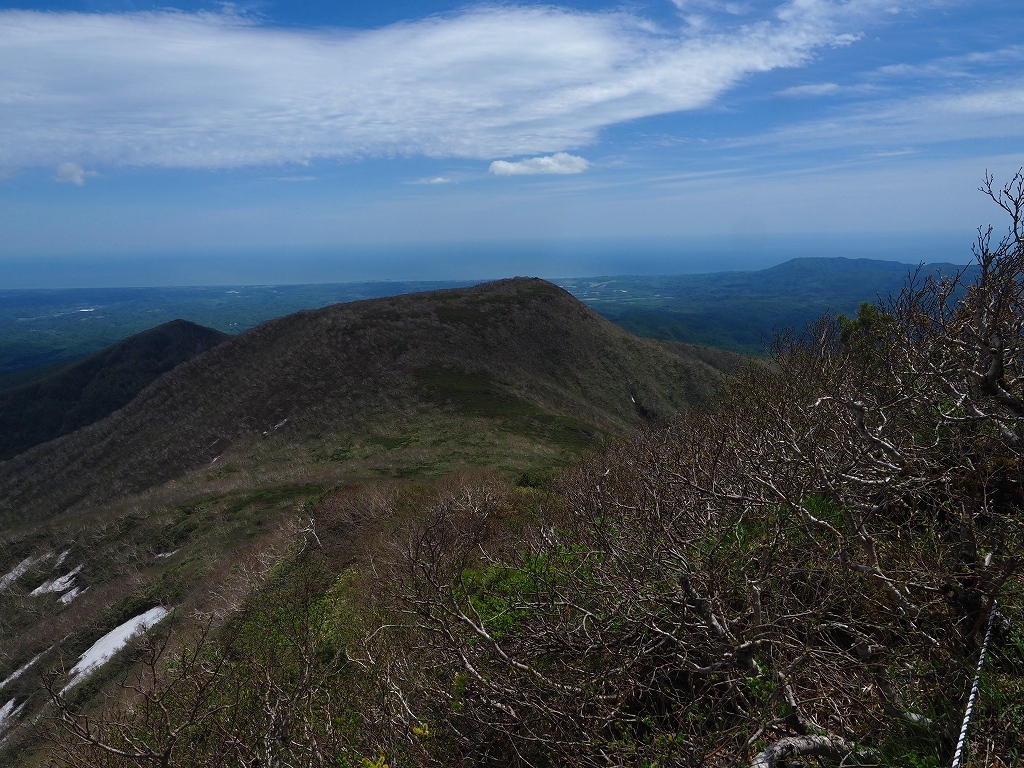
[(974, 690)]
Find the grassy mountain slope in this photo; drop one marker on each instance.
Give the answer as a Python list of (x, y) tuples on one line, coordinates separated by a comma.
[(186, 496), (511, 373), (86, 391), (775, 577)]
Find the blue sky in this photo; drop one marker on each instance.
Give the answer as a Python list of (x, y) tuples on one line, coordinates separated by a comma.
[(301, 141)]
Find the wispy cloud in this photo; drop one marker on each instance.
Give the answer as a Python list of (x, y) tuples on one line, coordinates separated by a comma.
[(175, 89), (988, 103), (72, 173), (815, 89), (558, 163), (733, 8), (966, 65), (986, 112), (433, 180)]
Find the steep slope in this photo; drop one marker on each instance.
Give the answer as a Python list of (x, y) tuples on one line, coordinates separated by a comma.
[(88, 390), (485, 375)]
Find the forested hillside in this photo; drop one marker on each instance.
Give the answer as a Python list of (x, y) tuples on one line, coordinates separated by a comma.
[(507, 373), (85, 392), (174, 510), (738, 311)]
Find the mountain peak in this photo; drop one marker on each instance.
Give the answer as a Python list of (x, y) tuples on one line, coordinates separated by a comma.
[(469, 373)]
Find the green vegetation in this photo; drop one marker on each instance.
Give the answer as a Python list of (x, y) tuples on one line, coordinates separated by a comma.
[(82, 393), (48, 327), (477, 395), (547, 377), (694, 596), (40, 330), (799, 571), (335, 426)]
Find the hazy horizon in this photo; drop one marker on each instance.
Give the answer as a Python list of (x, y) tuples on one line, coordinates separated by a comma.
[(470, 261), (439, 139)]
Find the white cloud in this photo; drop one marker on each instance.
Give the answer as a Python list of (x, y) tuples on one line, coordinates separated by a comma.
[(172, 89), (988, 103), (886, 153), (736, 9), (846, 39), (982, 113), (433, 180), (966, 65), (72, 173), (816, 89), (560, 163)]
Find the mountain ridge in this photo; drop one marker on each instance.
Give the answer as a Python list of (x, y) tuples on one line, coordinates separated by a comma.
[(86, 391), (522, 355), (40, 327)]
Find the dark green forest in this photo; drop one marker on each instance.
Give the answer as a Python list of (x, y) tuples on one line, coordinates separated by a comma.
[(81, 393)]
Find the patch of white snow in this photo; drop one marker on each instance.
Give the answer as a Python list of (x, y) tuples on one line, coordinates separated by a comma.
[(15, 573), (104, 649), (20, 671), (67, 597), (7, 714), (61, 558), (172, 553), (62, 584)]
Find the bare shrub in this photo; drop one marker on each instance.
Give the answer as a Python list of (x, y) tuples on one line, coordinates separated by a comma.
[(800, 571)]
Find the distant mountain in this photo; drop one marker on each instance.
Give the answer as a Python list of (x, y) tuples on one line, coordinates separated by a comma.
[(512, 373), (91, 389), (740, 310)]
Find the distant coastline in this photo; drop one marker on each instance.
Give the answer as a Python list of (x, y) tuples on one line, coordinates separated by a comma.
[(466, 261)]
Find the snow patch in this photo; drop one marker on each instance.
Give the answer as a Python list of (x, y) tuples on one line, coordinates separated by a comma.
[(20, 670), (16, 572), (7, 714), (104, 649), (62, 584), (67, 597), (172, 553)]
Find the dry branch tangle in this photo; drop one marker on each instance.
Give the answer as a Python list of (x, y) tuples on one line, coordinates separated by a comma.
[(807, 565)]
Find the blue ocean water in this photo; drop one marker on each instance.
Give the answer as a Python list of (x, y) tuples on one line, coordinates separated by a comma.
[(466, 261)]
